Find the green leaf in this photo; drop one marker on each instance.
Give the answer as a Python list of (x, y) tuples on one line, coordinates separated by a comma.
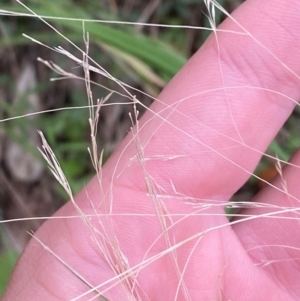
[(7, 263), (158, 55)]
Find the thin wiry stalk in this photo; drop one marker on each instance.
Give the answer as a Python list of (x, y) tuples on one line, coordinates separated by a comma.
[(66, 265), (114, 22), (107, 242), (158, 204), (212, 20)]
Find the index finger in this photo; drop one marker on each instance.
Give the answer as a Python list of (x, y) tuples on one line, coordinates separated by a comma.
[(220, 112)]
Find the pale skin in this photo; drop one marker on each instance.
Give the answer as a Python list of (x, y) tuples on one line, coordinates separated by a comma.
[(223, 265)]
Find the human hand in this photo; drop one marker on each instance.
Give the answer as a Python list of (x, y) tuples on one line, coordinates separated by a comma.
[(215, 118)]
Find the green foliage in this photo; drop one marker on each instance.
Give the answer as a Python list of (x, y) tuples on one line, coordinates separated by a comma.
[(8, 260), (158, 55), (7, 263)]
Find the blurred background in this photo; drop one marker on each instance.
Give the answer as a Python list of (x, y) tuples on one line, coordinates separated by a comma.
[(144, 57)]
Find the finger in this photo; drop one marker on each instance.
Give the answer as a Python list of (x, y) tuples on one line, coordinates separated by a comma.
[(215, 134), (272, 239)]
